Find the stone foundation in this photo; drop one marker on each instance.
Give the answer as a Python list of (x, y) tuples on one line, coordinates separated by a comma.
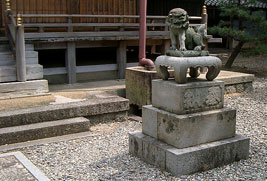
[(188, 160)]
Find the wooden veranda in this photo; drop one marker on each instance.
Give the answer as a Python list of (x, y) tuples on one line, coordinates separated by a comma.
[(71, 24)]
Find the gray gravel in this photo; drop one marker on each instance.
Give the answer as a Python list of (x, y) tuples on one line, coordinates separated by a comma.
[(104, 156)]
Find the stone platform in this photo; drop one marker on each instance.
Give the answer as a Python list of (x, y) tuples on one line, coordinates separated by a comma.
[(30, 88), (188, 160)]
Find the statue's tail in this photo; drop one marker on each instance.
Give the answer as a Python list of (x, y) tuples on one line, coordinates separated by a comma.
[(202, 31)]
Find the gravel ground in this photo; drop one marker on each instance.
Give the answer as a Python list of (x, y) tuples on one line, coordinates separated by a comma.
[(104, 156)]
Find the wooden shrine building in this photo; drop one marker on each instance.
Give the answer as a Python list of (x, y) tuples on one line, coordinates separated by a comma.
[(85, 40)]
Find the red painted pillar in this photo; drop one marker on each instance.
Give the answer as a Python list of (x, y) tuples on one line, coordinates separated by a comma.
[(142, 37)]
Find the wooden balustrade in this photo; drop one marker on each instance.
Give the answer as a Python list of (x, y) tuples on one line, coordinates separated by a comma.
[(15, 32)]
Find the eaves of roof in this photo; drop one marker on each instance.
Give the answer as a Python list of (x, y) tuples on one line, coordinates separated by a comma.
[(217, 2)]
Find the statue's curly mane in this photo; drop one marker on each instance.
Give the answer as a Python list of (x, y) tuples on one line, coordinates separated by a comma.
[(178, 18)]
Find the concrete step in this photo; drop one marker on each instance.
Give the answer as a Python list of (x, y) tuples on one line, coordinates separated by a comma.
[(43, 130), (96, 109), (8, 73)]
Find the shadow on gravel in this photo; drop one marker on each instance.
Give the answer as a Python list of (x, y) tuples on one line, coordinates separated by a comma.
[(125, 167)]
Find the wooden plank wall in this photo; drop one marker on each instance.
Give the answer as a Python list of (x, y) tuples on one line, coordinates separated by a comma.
[(95, 7), (162, 7), (2, 9)]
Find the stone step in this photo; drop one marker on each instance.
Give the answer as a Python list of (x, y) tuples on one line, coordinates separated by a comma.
[(6, 56), (8, 73), (97, 109), (4, 47), (43, 130), (4, 40), (5, 62), (23, 89)]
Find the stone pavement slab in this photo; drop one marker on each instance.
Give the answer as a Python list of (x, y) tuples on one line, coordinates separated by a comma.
[(15, 166)]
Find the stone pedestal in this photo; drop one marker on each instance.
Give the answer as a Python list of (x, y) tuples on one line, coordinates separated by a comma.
[(194, 96), (187, 129)]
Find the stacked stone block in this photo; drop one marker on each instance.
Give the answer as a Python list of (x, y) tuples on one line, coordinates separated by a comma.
[(187, 128)]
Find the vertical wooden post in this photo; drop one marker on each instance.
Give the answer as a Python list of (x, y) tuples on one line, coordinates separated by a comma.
[(20, 51), (204, 20), (70, 59), (121, 21), (204, 16), (70, 28), (121, 59), (8, 5)]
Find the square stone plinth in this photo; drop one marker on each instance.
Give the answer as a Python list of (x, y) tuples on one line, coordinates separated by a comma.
[(194, 96), (188, 160), (188, 130)]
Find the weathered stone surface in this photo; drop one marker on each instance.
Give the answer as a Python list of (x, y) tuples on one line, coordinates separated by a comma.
[(207, 156), (138, 83), (189, 130), (43, 130), (182, 64), (136, 144), (150, 121), (187, 98), (87, 108), (22, 89), (188, 53), (148, 149), (190, 160)]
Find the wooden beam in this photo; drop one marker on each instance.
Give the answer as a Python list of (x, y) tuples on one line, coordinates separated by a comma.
[(86, 69), (121, 59), (92, 34), (70, 59)]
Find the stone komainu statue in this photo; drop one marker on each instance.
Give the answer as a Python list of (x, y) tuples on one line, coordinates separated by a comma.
[(190, 38)]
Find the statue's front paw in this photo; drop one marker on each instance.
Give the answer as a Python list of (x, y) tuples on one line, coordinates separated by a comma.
[(198, 48), (182, 49), (172, 48)]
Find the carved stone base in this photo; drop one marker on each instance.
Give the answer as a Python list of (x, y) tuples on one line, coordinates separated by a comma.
[(195, 96), (188, 53), (182, 64)]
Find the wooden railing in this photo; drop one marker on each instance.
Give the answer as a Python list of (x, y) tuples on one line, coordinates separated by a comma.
[(15, 33), (153, 21)]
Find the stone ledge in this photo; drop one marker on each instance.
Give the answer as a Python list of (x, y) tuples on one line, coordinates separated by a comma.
[(23, 89), (188, 160), (87, 108)]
